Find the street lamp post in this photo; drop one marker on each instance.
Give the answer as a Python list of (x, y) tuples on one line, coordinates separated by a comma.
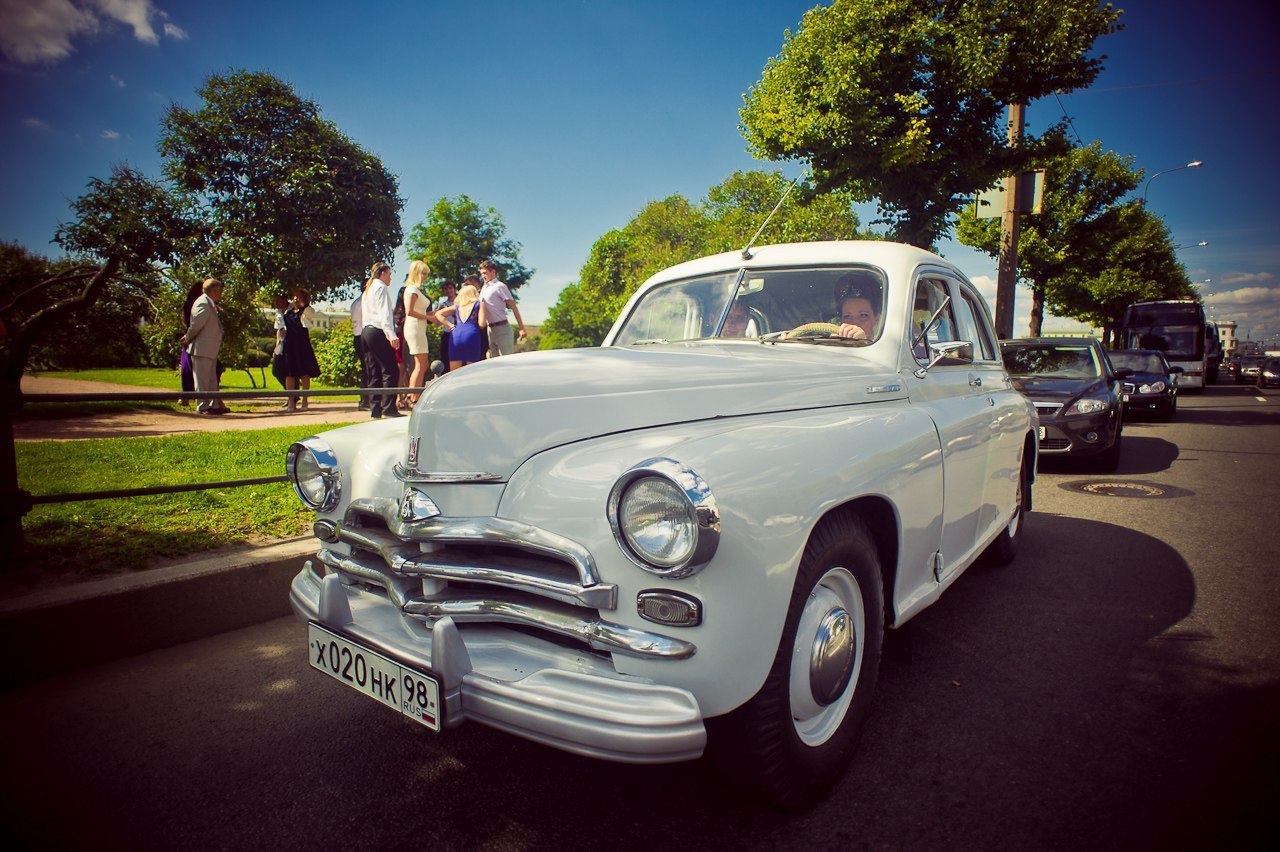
[(1194, 164)]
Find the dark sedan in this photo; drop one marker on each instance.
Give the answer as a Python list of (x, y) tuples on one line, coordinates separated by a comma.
[(1076, 392), (1269, 373), (1152, 386)]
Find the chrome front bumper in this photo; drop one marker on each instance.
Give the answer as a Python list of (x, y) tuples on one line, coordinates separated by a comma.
[(509, 680)]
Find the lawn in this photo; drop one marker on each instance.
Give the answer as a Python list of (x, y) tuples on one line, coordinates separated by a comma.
[(97, 537)]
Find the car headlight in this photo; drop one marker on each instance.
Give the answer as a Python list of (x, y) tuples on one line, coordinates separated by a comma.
[(313, 469), (1088, 405), (1153, 387), (664, 518)]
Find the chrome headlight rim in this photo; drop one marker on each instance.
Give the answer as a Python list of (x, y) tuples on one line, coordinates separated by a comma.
[(326, 462), (702, 509), (1088, 405)]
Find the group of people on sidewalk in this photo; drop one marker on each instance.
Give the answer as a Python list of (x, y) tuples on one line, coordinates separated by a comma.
[(479, 310), (475, 317)]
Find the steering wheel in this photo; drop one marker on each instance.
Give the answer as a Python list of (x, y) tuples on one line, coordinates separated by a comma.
[(815, 329)]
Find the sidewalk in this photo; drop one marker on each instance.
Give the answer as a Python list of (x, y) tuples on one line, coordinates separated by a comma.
[(155, 422), (57, 629)]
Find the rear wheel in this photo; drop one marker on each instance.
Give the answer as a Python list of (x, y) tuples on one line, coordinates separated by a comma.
[(794, 738), (1005, 547)]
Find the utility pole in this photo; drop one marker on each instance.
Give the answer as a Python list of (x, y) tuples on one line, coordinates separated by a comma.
[(1007, 274)]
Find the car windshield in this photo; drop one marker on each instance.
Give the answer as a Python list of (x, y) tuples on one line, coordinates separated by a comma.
[(1055, 360), (1139, 362), (785, 305)]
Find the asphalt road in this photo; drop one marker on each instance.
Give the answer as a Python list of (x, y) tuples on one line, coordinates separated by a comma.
[(1117, 687)]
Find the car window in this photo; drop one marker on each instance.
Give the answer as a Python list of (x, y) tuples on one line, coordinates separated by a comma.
[(931, 294), (973, 327), (1054, 360), (682, 310)]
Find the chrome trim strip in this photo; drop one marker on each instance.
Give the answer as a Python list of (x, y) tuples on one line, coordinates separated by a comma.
[(884, 389), (444, 530), (412, 474), (597, 634)]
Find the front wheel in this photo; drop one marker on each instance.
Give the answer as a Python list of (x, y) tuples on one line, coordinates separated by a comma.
[(794, 738)]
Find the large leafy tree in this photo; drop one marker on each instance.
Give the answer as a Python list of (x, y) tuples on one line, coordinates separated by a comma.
[(674, 230), (1132, 259), (1069, 242), (286, 198), (902, 101), (458, 234)]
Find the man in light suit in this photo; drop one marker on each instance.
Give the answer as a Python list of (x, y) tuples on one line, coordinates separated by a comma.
[(202, 340)]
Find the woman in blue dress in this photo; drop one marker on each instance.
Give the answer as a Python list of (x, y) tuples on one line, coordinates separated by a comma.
[(465, 335)]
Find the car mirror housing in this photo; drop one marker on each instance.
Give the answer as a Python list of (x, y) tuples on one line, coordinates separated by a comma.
[(1123, 373)]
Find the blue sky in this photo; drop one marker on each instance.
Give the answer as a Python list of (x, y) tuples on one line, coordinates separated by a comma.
[(568, 116)]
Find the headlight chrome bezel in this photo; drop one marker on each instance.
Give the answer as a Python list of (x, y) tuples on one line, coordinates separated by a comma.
[(702, 513), (315, 451)]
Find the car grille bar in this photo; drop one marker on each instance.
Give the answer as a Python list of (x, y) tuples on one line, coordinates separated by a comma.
[(1047, 409), (1128, 387)]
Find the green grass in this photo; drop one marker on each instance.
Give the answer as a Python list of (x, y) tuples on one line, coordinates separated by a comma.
[(96, 537)]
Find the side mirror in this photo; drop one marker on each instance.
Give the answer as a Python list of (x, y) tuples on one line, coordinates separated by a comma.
[(1123, 373), (437, 369), (948, 353)]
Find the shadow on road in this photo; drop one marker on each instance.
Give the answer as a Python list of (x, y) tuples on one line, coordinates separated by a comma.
[(1142, 454)]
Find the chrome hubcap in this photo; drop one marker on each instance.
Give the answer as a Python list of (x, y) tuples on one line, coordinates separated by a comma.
[(826, 656)]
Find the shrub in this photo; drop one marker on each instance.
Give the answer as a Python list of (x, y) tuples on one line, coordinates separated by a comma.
[(336, 352)]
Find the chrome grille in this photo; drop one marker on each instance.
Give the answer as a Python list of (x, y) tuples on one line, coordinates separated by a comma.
[(1128, 387), (1047, 409)]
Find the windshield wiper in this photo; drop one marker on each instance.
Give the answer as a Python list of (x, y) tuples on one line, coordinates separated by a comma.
[(648, 341)]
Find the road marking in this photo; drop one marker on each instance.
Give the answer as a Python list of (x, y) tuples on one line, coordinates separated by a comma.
[(1260, 398)]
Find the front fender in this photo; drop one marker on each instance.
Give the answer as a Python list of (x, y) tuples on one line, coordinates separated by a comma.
[(774, 478)]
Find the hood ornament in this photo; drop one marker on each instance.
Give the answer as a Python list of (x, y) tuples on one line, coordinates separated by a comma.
[(413, 451)]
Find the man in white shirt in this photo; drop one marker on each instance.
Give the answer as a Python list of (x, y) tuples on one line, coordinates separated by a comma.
[(497, 300), (378, 331), (202, 340)]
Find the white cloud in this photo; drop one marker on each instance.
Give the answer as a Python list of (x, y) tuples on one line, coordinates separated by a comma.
[(44, 31), (35, 123), (1233, 278), (1244, 296), (110, 134), (117, 82)]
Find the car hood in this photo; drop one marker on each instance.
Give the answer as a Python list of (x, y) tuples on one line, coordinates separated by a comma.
[(1145, 378), (491, 416), (1062, 390)]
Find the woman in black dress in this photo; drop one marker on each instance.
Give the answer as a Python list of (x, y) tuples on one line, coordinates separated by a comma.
[(299, 357)]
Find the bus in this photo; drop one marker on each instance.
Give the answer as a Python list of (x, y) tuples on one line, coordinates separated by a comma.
[(1178, 329)]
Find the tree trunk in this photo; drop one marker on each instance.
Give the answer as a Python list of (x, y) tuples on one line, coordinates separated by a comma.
[(1037, 310)]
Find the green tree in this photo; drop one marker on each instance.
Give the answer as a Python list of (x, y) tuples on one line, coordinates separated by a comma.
[(1067, 243), (285, 198), (903, 101), (674, 230), (457, 235), (1133, 260)]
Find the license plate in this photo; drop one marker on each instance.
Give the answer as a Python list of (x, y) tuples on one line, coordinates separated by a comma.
[(1124, 397), (1041, 433), (401, 688)]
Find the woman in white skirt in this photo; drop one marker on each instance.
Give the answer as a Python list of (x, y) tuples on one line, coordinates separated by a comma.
[(417, 314)]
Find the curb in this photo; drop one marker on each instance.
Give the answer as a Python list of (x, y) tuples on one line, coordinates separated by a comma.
[(52, 632)]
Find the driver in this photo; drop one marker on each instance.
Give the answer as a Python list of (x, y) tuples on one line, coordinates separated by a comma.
[(735, 324), (857, 307)]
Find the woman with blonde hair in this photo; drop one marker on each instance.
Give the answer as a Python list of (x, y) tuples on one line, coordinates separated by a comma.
[(469, 318), (417, 315)]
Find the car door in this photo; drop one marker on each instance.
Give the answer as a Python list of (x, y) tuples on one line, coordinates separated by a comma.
[(953, 397), (1006, 410)]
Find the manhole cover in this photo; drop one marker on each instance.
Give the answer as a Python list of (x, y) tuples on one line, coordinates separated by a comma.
[(1124, 488)]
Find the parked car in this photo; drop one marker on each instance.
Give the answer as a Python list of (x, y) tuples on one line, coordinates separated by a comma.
[(1077, 395), (1152, 385), (1269, 373), (691, 538), (1247, 370)]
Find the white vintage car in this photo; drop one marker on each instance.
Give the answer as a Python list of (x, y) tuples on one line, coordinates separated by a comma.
[(690, 539)]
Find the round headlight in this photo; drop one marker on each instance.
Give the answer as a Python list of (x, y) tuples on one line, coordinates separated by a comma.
[(313, 469), (657, 522), (664, 518)]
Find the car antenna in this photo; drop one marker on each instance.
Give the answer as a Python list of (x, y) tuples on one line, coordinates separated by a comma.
[(746, 252)]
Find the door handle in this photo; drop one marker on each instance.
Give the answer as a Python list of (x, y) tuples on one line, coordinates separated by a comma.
[(975, 381)]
